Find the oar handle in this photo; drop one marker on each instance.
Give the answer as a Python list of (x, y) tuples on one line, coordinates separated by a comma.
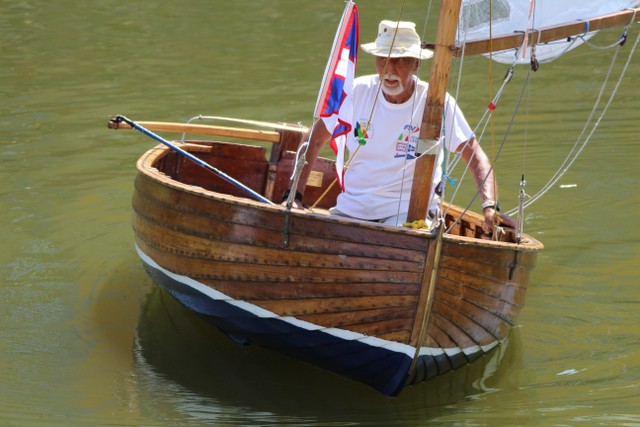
[(119, 120)]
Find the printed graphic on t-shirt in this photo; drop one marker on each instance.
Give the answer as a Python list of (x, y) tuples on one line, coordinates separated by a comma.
[(362, 132), (406, 142)]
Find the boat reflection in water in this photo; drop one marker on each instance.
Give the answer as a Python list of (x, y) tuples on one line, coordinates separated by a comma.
[(184, 360)]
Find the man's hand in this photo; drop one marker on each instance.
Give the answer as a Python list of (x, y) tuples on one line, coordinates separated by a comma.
[(297, 200), (493, 219), (489, 220)]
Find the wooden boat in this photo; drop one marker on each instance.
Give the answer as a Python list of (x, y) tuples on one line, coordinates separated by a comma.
[(388, 306), (350, 296)]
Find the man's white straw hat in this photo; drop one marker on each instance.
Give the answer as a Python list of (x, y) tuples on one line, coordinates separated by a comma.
[(406, 42)]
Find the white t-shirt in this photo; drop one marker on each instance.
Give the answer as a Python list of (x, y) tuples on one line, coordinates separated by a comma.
[(378, 179)]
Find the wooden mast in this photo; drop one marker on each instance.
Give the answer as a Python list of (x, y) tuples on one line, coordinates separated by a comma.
[(423, 175), (432, 118)]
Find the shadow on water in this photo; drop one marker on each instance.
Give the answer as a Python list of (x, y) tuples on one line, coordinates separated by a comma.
[(208, 376)]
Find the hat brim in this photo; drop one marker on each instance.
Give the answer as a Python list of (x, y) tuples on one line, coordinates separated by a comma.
[(396, 52)]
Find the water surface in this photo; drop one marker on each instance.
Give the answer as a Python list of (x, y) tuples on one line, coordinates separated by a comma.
[(86, 339)]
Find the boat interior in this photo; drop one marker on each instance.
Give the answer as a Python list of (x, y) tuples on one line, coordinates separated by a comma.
[(267, 170)]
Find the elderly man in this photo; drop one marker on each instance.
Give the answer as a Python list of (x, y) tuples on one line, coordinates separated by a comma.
[(388, 109)]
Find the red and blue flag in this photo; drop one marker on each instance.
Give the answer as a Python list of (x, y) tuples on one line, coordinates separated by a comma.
[(337, 86)]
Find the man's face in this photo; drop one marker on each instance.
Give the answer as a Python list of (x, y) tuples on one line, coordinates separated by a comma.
[(396, 76)]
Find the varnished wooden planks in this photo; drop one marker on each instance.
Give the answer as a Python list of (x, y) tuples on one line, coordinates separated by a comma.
[(366, 312), (189, 243), (343, 275), (205, 269), (304, 305), (206, 213)]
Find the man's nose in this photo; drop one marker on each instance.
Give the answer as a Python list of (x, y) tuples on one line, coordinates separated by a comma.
[(392, 63)]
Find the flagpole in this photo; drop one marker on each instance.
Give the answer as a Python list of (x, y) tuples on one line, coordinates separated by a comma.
[(327, 80)]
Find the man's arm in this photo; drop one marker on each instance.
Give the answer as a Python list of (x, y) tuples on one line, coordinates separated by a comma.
[(480, 166), (319, 138)]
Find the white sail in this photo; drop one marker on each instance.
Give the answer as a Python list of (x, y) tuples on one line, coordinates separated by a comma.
[(527, 16)]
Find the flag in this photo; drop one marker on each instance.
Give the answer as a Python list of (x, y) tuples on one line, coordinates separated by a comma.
[(335, 97)]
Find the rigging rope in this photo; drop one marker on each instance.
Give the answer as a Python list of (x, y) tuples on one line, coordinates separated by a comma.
[(484, 122), (504, 140), (571, 158)]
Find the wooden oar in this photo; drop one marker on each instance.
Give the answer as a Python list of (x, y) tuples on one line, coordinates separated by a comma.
[(252, 134)]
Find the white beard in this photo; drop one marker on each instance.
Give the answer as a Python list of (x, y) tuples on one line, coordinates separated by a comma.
[(392, 91)]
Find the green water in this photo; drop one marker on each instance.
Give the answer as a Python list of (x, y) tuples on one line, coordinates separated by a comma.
[(85, 339)]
